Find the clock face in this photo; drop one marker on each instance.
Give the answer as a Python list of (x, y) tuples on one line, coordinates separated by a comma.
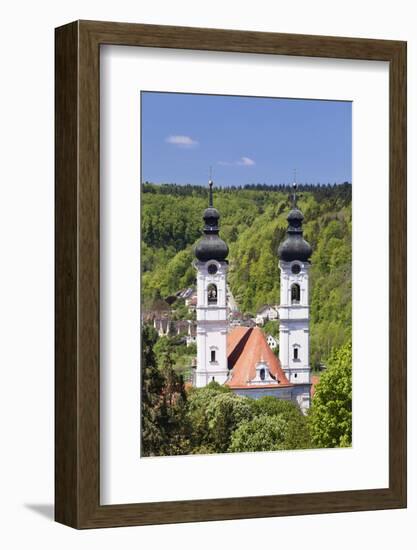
[(212, 269), (296, 269)]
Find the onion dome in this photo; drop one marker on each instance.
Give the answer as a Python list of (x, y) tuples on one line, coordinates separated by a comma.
[(211, 246), (294, 246)]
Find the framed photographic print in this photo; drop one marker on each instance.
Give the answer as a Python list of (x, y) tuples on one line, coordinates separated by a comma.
[(230, 274)]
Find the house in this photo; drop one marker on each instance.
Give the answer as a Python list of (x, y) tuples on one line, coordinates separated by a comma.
[(191, 303), (167, 327), (235, 318), (191, 333), (187, 293), (266, 313), (163, 326), (272, 342)]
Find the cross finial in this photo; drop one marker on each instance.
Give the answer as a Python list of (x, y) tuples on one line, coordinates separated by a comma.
[(294, 186), (210, 193), (294, 195)]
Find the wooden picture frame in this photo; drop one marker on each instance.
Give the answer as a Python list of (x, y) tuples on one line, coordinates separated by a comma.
[(77, 382)]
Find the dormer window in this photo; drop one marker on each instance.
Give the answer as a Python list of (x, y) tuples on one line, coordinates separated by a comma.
[(262, 374)]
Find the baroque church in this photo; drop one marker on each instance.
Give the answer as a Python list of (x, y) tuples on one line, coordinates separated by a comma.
[(240, 357)]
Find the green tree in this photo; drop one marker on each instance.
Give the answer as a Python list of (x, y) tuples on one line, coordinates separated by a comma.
[(225, 413), (172, 351), (152, 439), (330, 417), (272, 406), (164, 349), (198, 401), (165, 429), (271, 327), (262, 433), (174, 424), (214, 413), (297, 434)]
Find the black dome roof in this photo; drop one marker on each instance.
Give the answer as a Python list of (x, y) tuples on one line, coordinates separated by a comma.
[(211, 246), (295, 215), (211, 213), (295, 247)]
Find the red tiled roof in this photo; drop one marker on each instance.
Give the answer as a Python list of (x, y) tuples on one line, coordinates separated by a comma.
[(234, 337), (245, 348), (314, 381)]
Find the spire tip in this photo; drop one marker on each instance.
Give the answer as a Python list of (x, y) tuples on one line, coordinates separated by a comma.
[(210, 193)]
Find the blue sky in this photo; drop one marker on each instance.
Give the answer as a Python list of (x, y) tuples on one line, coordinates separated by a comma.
[(244, 139)]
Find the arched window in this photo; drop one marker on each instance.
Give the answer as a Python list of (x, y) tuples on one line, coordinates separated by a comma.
[(212, 294), (213, 355), (295, 356), (295, 293), (262, 374)]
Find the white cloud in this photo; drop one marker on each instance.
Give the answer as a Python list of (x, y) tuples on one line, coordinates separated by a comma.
[(182, 141), (243, 161)]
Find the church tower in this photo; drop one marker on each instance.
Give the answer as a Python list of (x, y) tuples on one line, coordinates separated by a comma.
[(294, 312), (212, 316)]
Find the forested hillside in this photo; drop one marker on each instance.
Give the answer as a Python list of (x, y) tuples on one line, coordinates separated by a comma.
[(253, 222)]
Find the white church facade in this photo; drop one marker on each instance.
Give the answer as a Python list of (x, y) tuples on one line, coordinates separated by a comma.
[(241, 357)]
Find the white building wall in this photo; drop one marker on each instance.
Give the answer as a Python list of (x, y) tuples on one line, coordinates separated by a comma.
[(259, 392), (301, 396)]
